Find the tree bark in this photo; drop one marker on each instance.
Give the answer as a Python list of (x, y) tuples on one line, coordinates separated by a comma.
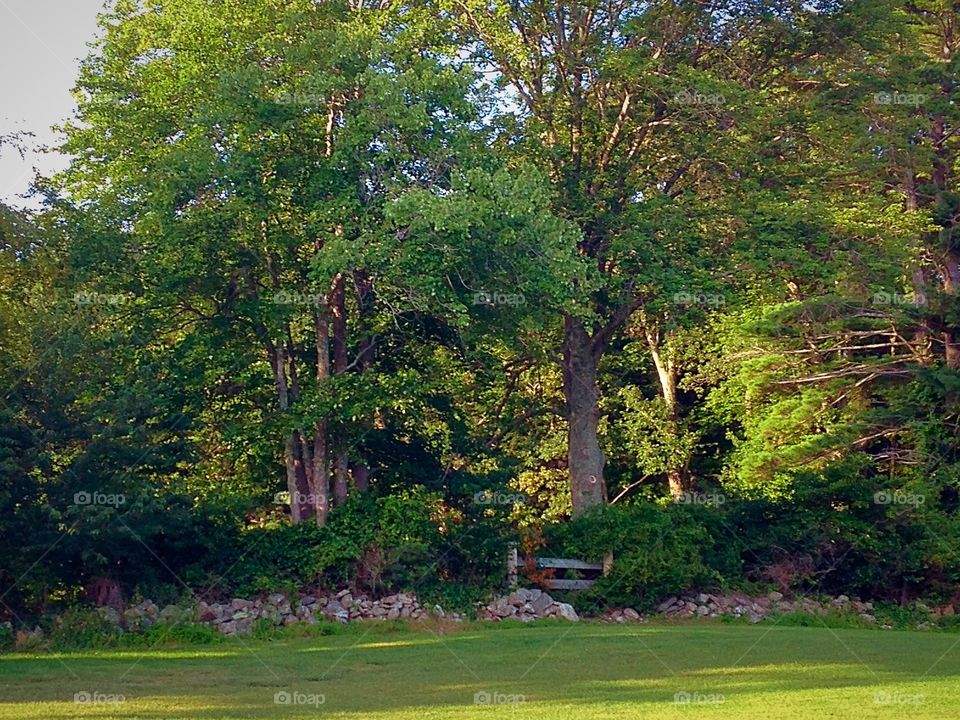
[(341, 478), (300, 508), (584, 456), (338, 311), (320, 475), (667, 375)]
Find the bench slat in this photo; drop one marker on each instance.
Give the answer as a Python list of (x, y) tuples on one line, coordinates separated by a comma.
[(554, 584), (568, 564)]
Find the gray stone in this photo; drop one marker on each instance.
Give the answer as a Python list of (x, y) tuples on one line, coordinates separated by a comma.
[(666, 604), (540, 603), (110, 615), (566, 611)]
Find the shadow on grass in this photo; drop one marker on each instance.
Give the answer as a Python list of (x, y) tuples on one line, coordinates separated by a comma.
[(394, 674)]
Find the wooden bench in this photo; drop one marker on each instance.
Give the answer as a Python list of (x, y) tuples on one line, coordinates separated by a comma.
[(596, 569)]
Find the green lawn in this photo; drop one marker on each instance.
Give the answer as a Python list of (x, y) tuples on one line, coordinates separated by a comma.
[(576, 672)]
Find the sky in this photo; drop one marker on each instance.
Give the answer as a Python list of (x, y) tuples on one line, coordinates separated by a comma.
[(41, 43)]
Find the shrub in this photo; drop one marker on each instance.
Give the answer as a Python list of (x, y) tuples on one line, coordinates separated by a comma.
[(657, 551), (404, 541), (179, 634), (81, 628)]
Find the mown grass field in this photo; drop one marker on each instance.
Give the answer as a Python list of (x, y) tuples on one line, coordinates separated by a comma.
[(540, 672)]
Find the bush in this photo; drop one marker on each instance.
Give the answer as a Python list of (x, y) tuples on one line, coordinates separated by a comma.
[(657, 551), (82, 628), (179, 634), (404, 541)]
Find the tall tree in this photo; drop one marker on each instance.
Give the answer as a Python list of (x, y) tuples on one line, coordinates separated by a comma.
[(639, 114)]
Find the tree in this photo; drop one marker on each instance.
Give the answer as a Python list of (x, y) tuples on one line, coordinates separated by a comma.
[(241, 162), (638, 114)]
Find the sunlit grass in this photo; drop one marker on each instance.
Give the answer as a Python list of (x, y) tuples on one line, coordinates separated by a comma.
[(533, 672)]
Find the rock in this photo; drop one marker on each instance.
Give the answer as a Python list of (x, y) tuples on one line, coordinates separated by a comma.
[(228, 628), (205, 613), (109, 614), (276, 598), (868, 618), (540, 603), (519, 597), (703, 598), (948, 611), (566, 611), (702, 610), (775, 596), (308, 600), (240, 615), (631, 614), (666, 604), (173, 614)]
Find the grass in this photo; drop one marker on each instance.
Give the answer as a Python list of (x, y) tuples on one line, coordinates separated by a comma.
[(585, 671)]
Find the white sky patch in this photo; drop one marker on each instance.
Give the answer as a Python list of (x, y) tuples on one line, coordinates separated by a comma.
[(41, 44)]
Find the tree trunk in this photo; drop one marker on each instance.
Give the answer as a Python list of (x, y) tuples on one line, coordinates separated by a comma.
[(667, 374), (297, 486), (361, 475), (338, 310), (320, 487), (584, 456), (341, 478), (320, 475)]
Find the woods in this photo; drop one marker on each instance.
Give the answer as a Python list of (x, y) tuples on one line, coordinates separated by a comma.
[(365, 293)]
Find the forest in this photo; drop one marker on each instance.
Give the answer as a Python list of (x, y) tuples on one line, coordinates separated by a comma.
[(365, 293)]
